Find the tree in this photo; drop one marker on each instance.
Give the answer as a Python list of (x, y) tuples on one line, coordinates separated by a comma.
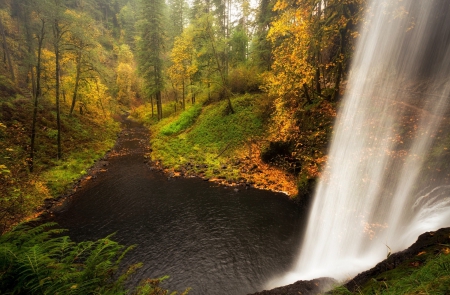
[(151, 49), (80, 45), (262, 47), (127, 20), (59, 29), (183, 63), (6, 51), (36, 80), (177, 19), (311, 45), (125, 76)]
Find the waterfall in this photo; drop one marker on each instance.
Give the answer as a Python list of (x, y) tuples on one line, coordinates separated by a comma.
[(388, 174)]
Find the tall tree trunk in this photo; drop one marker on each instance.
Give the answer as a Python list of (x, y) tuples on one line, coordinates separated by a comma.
[(343, 34), (57, 35), (36, 94), (222, 77), (158, 104), (77, 81), (305, 90), (184, 98), (6, 51), (192, 93), (151, 102)]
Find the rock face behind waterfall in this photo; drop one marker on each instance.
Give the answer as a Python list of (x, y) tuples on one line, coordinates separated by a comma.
[(311, 287)]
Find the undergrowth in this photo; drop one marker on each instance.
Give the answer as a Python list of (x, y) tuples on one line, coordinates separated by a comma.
[(184, 121), (41, 260), (85, 138), (207, 135)]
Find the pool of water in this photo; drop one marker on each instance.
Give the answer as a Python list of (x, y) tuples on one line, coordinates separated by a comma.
[(214, 239)]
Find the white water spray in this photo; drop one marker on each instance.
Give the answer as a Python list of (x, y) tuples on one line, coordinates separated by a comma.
[(386, 181)]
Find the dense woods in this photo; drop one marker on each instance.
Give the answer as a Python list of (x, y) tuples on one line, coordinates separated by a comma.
[(71, 67)]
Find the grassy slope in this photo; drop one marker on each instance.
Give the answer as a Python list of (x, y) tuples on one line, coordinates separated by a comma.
[(210, 142), (424, 268), (85, 138)]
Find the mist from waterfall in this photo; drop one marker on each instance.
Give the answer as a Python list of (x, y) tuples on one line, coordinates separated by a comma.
[(387, 177)]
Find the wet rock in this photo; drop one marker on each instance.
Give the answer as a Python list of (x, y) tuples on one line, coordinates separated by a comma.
[(312, 287)]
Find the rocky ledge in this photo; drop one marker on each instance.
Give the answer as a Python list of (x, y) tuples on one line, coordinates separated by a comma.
[(312, 287), (429, 242)]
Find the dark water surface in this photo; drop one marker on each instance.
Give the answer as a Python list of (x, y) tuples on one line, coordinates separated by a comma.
[(213, 239)]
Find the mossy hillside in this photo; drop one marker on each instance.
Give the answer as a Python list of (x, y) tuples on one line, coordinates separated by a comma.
[(85, 138), (207, 140), (433, 277), (425, 271)]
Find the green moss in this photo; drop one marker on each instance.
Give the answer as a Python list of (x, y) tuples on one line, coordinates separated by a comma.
[(425, 273), (184, 121), (207, 135), (431, 277)]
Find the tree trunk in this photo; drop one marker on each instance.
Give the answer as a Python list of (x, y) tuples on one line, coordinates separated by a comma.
[(211, 37), (36, 94), (305, 90), (77, 81), (184, 98), (33, 124), (151, 102), (57, 35), (159, 104), (343, 33), (6, 51), (192, 93)]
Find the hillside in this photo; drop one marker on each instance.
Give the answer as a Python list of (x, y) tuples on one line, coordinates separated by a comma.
[(85, 139), (236, 149)]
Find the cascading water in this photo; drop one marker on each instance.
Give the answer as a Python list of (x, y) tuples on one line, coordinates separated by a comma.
[(387, 178)]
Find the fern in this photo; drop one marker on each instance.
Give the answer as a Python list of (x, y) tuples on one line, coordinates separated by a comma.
[(39, 260)]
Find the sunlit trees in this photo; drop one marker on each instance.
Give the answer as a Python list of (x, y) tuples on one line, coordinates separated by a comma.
[(126, 79), (151, 49), (311, 47), (183, 62), (80, 45)]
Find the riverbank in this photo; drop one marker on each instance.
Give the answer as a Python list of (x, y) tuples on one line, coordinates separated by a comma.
[(207, 142)]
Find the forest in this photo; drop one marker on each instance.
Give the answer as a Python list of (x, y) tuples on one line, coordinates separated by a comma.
[(71, 67), (235, 92)]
